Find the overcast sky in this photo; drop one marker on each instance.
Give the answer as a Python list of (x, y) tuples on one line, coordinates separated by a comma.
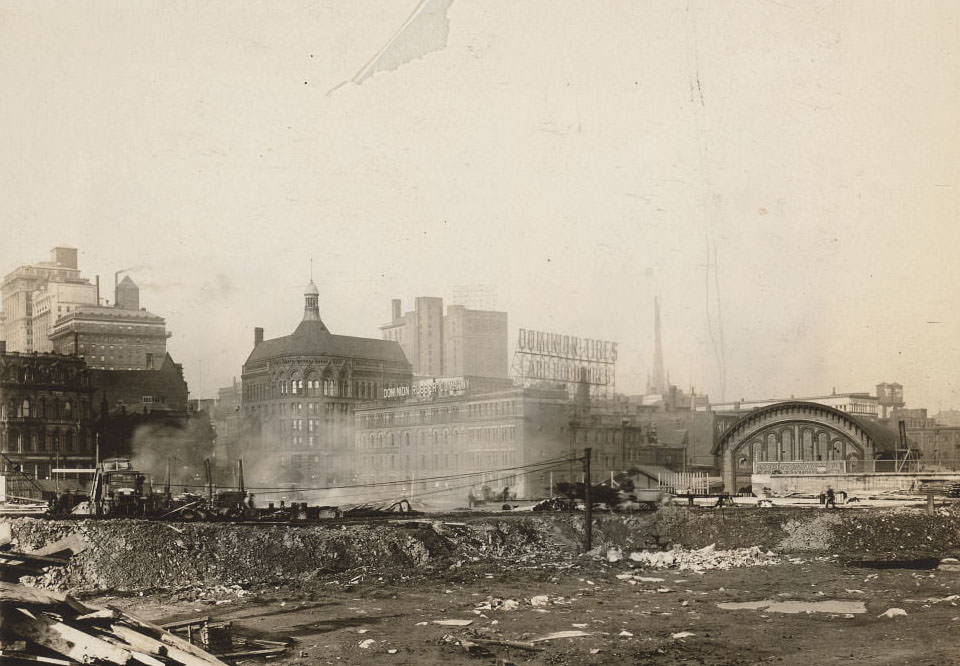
[(581, 157)]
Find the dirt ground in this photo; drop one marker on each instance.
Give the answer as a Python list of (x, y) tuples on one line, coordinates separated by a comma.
[(362, 620)]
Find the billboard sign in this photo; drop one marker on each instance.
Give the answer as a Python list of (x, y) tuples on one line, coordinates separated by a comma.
[(565, 359)]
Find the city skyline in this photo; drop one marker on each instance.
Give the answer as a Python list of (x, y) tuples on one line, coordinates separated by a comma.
[(794, 166)]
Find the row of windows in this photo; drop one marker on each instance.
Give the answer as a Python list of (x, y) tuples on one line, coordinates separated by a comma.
[(46, 441), (310, 387), (494, 459), (444, 414), (436, 437), (42, 408)]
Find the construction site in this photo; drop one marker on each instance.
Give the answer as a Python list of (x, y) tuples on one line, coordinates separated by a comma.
[(676, 580)]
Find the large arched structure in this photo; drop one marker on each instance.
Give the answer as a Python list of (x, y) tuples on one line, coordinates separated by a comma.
[(796, 431)]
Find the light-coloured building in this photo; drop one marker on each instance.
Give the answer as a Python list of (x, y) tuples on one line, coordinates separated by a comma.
[(17, 291), (438, 448), (460, 342), (54, 300)]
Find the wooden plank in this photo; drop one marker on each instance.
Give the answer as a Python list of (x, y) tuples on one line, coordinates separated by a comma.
[(29, 557), (139, 657), (31, 596), (64, 639), (183, 623), (253, 653), (71, 544), (200, 657), (32, 660), (154, 647)]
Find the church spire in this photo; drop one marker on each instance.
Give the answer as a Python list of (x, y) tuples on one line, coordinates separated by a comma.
[(658, 384)]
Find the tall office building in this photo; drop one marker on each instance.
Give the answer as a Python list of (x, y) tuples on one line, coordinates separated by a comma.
[(18, 290), (119, 337), (462, 342)]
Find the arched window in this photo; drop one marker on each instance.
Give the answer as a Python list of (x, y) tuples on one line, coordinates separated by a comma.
[(25, 408), (67, 409)]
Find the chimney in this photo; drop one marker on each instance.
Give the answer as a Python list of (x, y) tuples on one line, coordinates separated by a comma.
[(396, 308), (257, 336), (98, 290), (3, 346)]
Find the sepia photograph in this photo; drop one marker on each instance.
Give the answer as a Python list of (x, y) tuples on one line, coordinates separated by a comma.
[(422, 332)]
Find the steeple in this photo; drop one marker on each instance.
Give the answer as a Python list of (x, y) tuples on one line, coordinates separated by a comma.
[(658, 384)]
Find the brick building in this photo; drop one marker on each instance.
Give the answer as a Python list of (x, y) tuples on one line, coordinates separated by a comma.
[(298, 396), (491, 439), (121, 337)]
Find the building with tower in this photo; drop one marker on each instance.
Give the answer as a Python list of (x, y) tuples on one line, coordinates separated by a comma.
[(119, 337), (298, 394)]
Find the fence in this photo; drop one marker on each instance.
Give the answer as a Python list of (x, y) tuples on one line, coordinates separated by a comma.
[(685, 482), (819, 467)]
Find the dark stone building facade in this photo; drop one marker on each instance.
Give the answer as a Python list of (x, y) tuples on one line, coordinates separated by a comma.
[(298, 396), (46, 414)]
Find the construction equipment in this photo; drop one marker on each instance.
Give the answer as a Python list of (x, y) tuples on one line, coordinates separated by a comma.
[(118, 490)]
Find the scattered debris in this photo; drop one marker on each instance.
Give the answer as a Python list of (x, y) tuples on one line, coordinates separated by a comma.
[(682, 634), (560, 634), (453, 623), (829, 606), (892, 613)]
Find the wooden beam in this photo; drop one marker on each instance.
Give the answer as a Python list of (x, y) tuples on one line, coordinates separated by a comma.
[(32, 596), (64, 639), (200, 657)]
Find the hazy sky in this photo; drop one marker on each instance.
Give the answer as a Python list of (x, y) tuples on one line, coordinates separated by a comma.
[(582, 157)]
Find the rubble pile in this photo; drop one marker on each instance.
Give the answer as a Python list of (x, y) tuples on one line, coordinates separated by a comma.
[(703, 559), (816, 534), (132, 555)]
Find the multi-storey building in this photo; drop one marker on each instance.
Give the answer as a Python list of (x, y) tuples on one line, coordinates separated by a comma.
[(299, 392), (446, 446), (54, 300), (462, 342), (121, 337), (46, 415), (17, 292)]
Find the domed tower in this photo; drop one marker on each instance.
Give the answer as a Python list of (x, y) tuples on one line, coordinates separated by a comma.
[(311, 306)]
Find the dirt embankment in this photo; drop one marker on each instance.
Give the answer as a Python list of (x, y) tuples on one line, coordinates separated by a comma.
[(128, 555)]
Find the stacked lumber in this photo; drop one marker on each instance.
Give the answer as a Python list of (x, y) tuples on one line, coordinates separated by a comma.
[(39, 626)]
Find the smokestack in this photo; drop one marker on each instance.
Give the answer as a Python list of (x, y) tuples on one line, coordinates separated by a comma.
[(257, 336), (98, 290), (3, 346), (76, 343), (396, 308)]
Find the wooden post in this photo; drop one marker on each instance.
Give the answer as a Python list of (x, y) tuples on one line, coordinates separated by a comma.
[(587, 501)]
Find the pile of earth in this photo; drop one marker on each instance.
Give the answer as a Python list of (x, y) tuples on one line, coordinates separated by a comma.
[(131, 555), (135, 555)]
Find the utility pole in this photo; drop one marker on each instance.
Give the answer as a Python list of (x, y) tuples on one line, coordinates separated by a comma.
[(587, 501)]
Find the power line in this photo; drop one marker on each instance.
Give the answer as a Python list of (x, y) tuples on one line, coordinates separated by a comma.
[(508, 471), (400, 482)]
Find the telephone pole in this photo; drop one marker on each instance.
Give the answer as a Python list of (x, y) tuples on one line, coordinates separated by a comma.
[(587, 501)]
